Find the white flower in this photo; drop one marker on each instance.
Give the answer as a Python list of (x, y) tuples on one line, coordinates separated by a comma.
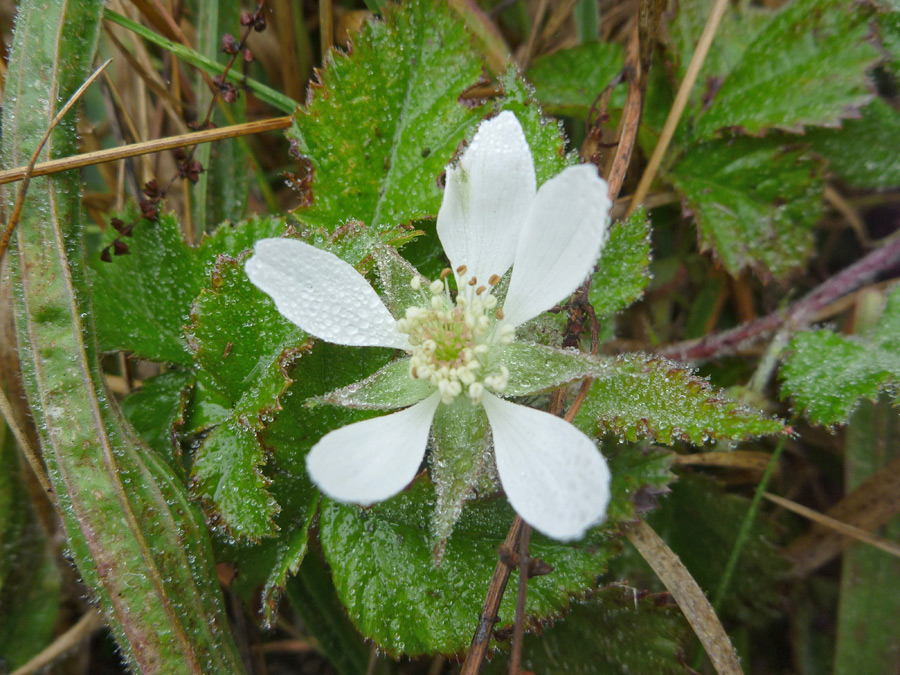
[(492, 218)]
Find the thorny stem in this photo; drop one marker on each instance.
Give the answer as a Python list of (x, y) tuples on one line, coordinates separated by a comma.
[(796, 315)]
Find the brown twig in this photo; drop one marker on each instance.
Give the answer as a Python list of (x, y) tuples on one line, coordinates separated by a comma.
[(798, 314), (482, 638), (147, 147)]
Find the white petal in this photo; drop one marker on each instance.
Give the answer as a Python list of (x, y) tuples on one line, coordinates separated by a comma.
[(369, 461), (553, 475), (487, 198), (322, 294), (560, 243)]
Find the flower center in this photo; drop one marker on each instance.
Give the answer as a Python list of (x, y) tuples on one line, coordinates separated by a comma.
[(456, 342)]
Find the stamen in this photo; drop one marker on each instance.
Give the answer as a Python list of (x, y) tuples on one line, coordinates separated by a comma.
[(416, 282), (494, 280), (436, 286), (445, 273), (480, 290), (473, 281), (462, 269), (499, 314)]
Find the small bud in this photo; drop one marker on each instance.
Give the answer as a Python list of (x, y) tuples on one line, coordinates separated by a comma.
[(120, 247), (105, 255), (229, 44), (117, 225), (247, 55)]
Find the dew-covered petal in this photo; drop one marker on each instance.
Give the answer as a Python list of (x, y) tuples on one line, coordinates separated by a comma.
[(553, 475), (560, 242), (487, 198), (369, 461), (322, 294)]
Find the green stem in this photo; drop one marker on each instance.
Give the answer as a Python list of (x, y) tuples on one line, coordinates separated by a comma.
[(264, 93)]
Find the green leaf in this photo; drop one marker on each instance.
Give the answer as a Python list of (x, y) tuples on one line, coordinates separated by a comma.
[(385, 120), (142, 299), (700, 522), (156, 410), (826, 374), (755, 202), (568, 81), (239, 338), (807, 66), (244, 347), (737, 29), (623, 271), (861, 153), (645, 397), (385, 574), (616, 631)]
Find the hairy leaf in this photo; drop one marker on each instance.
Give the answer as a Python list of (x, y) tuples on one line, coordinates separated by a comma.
[(385, 120), (623, 271), (861, 153), (244, 347), (807, 67), (755, 202), (827, 374), (385, 573), (143, 300), (644, 397)]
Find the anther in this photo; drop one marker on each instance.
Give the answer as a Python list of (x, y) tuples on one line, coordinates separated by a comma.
[(494, 280), (473, 281), (480, 290), (446, 272), (436, 286), (462, 269), (414, 372), (416, 282), (499, 314)]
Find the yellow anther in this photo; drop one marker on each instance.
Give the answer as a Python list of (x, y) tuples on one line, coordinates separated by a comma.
[(480, 290), (473, 281), (499, 314), (446, 272), (494, 280), (462, 269)]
